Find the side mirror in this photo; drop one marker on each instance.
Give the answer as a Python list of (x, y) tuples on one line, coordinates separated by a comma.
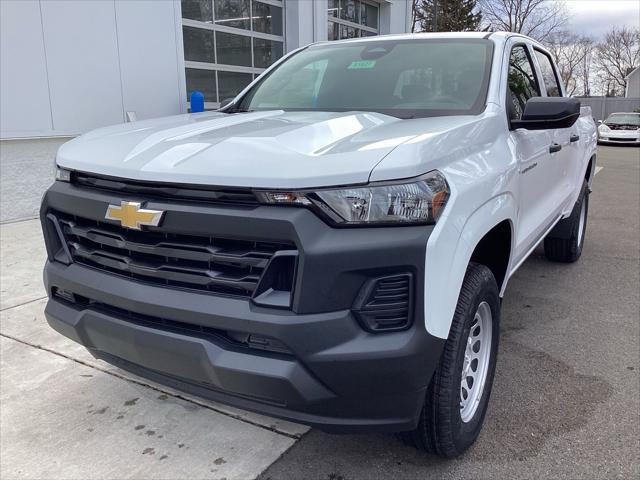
[(599, 122), (225, 102), (542, 113)]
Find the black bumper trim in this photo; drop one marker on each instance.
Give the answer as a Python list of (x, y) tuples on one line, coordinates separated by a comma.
[(337, 376), (192, 359)]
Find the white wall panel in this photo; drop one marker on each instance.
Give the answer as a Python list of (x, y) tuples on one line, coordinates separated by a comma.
[(24, 96), (82, 61), (305, 22), (148, 51), (395, 16)]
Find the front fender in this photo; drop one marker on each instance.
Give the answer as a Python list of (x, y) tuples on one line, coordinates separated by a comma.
[(449, 251)]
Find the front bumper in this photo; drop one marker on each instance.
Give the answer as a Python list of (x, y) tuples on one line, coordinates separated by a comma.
[(334, 374), (619, 137)]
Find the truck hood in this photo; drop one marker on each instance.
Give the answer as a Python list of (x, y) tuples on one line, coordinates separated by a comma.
[(273, 149)]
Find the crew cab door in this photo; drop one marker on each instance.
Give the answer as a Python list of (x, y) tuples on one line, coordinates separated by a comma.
[(568, 139), (539, 172)]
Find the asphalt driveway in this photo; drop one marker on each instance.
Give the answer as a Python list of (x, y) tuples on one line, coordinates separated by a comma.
[(566, 400)]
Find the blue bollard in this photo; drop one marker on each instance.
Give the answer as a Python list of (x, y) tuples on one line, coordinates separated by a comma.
[(197, 102)]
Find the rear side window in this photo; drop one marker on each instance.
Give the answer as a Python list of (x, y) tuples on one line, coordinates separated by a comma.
[(522, 82), (548, 75)]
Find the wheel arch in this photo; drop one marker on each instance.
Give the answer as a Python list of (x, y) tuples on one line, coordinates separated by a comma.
[(493, 251), (449, 251), (590, 171)]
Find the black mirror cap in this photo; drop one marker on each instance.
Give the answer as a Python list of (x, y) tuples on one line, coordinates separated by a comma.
[(542, 113)]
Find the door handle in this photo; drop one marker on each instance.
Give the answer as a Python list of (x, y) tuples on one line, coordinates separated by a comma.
[(555, 147), (574, 138)]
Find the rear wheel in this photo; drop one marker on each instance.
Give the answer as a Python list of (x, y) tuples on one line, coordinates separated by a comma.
[(564, 243), (457, 397)]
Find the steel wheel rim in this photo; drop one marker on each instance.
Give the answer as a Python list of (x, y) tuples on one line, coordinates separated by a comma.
[(475, 366), (583, 217)]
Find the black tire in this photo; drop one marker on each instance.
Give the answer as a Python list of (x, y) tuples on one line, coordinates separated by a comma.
[(564, 243), (440, 429)]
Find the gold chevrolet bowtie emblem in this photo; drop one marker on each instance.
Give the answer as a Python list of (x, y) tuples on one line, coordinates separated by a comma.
[(130, 215)]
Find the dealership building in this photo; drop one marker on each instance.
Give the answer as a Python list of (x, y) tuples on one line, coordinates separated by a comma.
[(70, 66)]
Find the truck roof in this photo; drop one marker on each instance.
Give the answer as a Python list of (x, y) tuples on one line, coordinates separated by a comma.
[(498, 37)]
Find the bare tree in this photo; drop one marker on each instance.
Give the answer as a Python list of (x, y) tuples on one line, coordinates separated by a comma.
[(415, 27), (535, 18), (585, 69), (572, 54), (616, 56)]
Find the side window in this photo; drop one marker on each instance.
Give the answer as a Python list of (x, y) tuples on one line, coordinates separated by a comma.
[(521, 81), (548, 75)]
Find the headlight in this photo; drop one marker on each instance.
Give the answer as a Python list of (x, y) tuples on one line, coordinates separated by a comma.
[(63, 175), (603, 128), (418, 202)]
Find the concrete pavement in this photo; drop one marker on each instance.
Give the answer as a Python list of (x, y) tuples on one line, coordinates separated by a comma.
[(26, 171), (62, 419)]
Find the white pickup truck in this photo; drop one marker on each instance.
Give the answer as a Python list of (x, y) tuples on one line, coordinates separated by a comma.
[(332, 246)]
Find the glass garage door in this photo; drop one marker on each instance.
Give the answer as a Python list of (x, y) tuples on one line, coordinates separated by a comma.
[(352, 18), (229, 42)]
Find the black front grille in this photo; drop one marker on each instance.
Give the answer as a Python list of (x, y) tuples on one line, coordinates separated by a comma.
[(615, 126), (386, 303), (205, 263), (218, 196)]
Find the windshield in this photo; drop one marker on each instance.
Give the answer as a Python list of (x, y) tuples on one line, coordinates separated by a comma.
[(624, 118), (403, 78)]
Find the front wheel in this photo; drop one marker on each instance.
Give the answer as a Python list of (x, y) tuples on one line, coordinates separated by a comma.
[(457, 397)]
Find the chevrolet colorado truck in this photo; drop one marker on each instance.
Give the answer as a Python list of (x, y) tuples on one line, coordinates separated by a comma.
[(332, 246)]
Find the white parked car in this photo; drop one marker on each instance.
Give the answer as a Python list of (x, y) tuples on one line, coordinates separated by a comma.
[(622, 128), (331, 247)]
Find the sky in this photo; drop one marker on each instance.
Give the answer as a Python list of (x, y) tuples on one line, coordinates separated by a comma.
[(596, 17)]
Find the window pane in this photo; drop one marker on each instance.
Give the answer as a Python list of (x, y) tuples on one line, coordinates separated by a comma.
[(232, 83), (522, 82), (349, 10), (333, 31), (332, 8), (265, 52), (232, 13), (369, 15), (267, 18), (348, 32), (198, 44), (197, 10), (548, 75), (202, 80), (233, 49)]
